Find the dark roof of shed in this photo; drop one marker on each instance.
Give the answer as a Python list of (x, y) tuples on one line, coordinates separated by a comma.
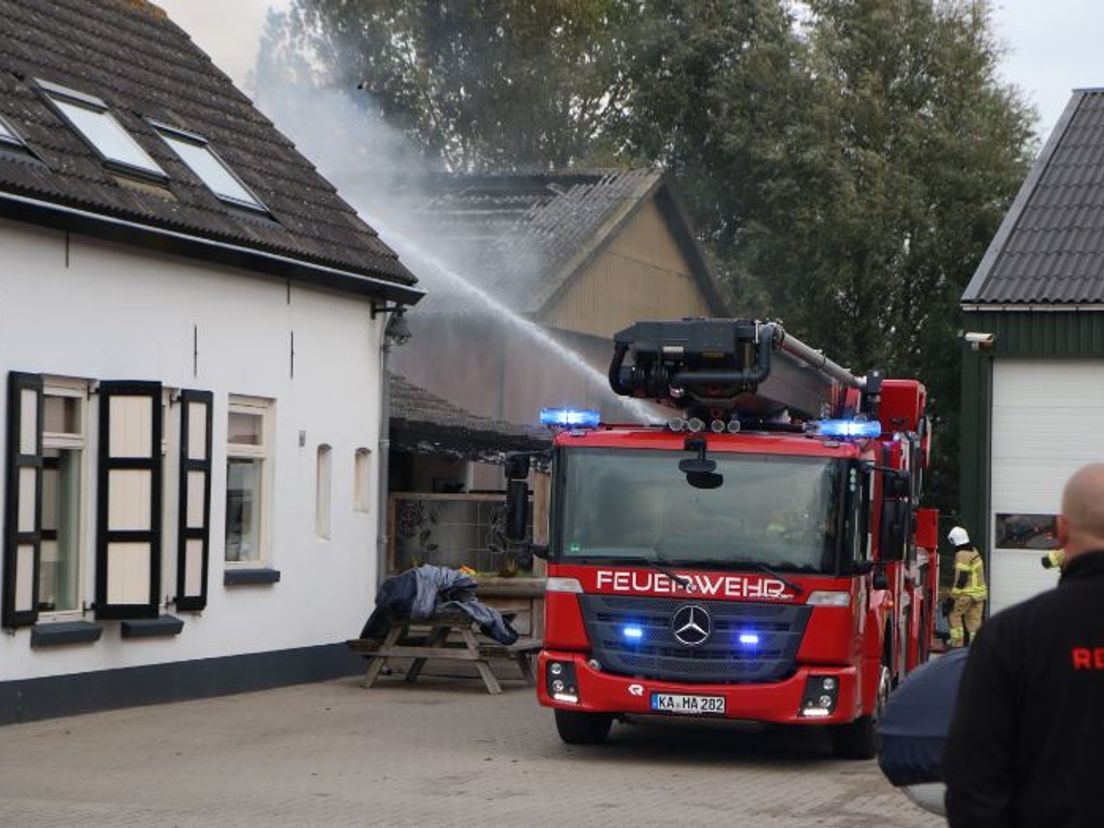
[(131, 55), (526, 234), (1050, 247), (427, 424)]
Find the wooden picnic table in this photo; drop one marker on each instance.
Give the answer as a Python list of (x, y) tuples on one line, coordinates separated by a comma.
[(434, 643)]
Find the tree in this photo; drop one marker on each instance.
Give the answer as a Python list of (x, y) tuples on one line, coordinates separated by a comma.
[(716, 96), (847, 161), (487, 84), (919, 149)]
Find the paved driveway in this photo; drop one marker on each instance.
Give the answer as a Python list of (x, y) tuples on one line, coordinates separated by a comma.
[(438, 753)]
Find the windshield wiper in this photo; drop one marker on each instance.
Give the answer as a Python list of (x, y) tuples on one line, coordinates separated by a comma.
[(741, 563), (663, 566)]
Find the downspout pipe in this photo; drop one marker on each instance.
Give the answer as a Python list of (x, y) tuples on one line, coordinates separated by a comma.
[(383, 464)]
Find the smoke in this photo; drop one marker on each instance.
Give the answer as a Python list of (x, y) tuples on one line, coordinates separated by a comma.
[(467, 341)]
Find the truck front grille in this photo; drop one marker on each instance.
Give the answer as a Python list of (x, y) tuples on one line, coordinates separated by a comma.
[(657, 654)]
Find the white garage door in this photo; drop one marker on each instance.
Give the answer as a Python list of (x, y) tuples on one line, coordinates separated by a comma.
[(1048, 421)]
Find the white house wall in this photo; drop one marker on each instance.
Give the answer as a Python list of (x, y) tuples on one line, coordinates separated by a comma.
[(113, 313)]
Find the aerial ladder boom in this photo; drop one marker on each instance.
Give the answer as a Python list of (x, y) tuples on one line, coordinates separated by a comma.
[(736, 370)]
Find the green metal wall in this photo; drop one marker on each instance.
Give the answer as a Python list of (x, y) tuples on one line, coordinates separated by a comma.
[(1016, 334), (1040, 335)]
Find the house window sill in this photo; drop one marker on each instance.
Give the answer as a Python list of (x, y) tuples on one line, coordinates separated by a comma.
[(163, 625), (246, 577), (65, 632)]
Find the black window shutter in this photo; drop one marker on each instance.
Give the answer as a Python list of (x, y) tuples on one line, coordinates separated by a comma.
[(193, 540), (23, 507), (128, 508)]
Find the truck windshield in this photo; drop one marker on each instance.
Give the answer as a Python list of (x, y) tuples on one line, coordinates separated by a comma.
[(778, 511)]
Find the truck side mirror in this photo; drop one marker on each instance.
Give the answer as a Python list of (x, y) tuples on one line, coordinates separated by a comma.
[(861, 567), (517, 510), (899, 485), (893, 535)]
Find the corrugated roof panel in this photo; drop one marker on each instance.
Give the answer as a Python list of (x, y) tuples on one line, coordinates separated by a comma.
[(520, 230), (412, 406)]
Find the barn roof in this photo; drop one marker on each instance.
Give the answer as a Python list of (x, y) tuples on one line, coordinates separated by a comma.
[(527, 234), (424, 423)]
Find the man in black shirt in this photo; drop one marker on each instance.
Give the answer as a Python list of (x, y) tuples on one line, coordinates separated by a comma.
[(1026, 746)]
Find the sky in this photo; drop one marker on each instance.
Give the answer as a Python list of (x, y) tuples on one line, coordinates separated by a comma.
[(1053, 48), (1053, 45)]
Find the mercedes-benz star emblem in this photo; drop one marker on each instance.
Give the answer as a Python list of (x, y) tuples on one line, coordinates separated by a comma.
[(691, 625)]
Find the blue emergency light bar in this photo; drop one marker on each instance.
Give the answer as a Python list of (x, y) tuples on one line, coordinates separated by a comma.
[(632, 632), (570, 417), (849, 428)]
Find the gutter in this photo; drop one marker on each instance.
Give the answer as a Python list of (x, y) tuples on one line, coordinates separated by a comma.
[(1033, 307), (96, 225)]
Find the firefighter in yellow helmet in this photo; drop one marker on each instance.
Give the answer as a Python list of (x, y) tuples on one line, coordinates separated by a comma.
[(969, 590), (1054, 559)]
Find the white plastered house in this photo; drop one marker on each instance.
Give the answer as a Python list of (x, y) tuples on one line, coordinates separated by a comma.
[(191, 324)]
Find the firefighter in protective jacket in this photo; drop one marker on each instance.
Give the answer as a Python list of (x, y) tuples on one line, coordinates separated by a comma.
[(969, 590)]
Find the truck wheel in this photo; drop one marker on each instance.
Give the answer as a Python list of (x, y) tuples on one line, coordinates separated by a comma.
[(859, 739), (583, 728)]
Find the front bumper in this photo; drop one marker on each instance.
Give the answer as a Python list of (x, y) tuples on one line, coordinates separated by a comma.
[(776, 702)]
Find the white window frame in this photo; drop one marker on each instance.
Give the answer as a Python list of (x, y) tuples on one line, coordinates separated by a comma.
[(54, 386), (172, 136), (238, 404), (61, 97)]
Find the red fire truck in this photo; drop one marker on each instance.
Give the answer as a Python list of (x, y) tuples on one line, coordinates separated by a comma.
[(760, 557)]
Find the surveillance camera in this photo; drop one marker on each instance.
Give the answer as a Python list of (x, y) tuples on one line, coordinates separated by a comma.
[(978, 339)]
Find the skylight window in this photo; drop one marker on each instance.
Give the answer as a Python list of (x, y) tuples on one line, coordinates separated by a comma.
[(197, 154), (89, 116), (8, 136)]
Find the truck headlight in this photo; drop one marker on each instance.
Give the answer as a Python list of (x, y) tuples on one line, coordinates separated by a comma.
[(562, 684), (819, 699)]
